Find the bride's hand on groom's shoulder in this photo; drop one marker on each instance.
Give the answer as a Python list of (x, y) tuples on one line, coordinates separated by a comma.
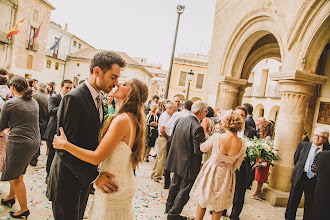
[(60, 141)]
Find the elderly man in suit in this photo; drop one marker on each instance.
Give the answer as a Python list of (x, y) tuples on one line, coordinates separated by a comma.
[(184, 158), (53, 104), (81, 115), (303, 179)]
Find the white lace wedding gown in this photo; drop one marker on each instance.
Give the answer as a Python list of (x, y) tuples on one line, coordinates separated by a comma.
[(117, 205)]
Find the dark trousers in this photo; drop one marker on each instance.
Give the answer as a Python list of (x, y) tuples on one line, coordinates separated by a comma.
[(167, 174), (51, 155), (72, 208), (307, 186), (178, 196)]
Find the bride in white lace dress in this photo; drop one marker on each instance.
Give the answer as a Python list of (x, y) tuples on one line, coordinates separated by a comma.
[(119, 152)]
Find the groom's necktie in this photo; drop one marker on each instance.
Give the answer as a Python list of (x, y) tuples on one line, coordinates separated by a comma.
[(98, 105), (310, 174)]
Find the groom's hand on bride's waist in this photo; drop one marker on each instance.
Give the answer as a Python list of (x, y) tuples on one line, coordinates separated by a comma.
[(105, 183)]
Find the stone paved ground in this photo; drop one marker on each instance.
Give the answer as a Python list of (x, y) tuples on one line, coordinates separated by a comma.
[(149, 202)]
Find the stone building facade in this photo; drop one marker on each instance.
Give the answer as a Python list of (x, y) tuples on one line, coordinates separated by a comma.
[(179, 77), (297, 34), (27, 55)]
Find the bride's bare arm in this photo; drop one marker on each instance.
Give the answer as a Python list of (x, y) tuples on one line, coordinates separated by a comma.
[(118, 129)]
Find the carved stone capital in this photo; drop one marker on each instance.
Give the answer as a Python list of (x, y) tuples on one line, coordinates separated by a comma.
[(298, 77), (228, 92)]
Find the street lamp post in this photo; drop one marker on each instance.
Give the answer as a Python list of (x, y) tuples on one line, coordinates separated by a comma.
[(180, 9), (190, 77)]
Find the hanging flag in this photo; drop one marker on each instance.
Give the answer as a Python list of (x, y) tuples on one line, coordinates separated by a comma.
[(56, 44), (37, 32), (14, 30)]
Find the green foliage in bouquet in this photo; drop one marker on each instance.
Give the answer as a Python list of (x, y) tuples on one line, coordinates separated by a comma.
[(260, 148)]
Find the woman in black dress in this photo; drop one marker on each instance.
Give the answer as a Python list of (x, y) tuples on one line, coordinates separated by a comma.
[(21, 116), (152, 129)]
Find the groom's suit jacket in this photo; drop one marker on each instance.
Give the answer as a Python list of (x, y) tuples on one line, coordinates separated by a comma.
[(80, 120)]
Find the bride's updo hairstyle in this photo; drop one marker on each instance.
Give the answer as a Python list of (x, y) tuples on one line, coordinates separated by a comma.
[(22, 86), (134, 104), (232, 121)]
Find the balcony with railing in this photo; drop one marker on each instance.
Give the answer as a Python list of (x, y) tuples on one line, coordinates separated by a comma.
[(56, 54), (271, 91)]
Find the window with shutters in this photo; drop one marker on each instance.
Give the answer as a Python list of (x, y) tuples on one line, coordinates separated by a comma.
[(49, 63), (55, 51), (31, 39), (199, 81), (324, 113), (29, 62), (56, 66), (182, 79)]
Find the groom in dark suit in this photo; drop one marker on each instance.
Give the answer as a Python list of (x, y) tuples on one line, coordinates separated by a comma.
[(303, 178), (81, 115), (184, 159)]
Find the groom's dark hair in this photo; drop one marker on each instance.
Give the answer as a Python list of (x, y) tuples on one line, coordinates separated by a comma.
[(105, 60)]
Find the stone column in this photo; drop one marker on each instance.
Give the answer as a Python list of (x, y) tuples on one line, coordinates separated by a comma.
[(241, 92), (228, 92), (296, 88)]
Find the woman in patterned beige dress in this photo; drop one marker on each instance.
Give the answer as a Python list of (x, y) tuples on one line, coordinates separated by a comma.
[(215, 184)]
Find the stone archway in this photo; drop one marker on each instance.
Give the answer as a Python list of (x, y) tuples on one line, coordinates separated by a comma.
[(273, 113), (194, 99), (180, 96), (258, 111)]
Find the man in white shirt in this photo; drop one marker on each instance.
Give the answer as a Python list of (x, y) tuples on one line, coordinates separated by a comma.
[(158, 169)]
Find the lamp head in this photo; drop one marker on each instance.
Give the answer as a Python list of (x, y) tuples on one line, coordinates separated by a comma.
[(190, 75), (180, 9)]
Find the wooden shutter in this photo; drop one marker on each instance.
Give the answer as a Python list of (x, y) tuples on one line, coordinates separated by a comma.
[(199, 81), (29, 62), (182, 79), (324, 113)]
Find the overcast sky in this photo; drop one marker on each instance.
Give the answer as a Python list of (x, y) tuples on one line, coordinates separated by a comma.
[(141, 28)]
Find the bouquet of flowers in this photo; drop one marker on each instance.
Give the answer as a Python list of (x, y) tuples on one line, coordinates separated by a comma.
[(260, 151)]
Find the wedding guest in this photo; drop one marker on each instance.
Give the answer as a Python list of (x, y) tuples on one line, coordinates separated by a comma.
[(177, 102), (50, 90), (81, 115), (214, 186), (184, 159), (21, 116), (322, 189), (53, 105), (111, 104), (155, 99), (305, 137), (152, 129), (120, 150), (207, 123), (303, 179), (3, 134), (249, 118), (4, 89), (245, 174), (169, 129), (261, 172), (41, 97), (258, 124), (159, 165)]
